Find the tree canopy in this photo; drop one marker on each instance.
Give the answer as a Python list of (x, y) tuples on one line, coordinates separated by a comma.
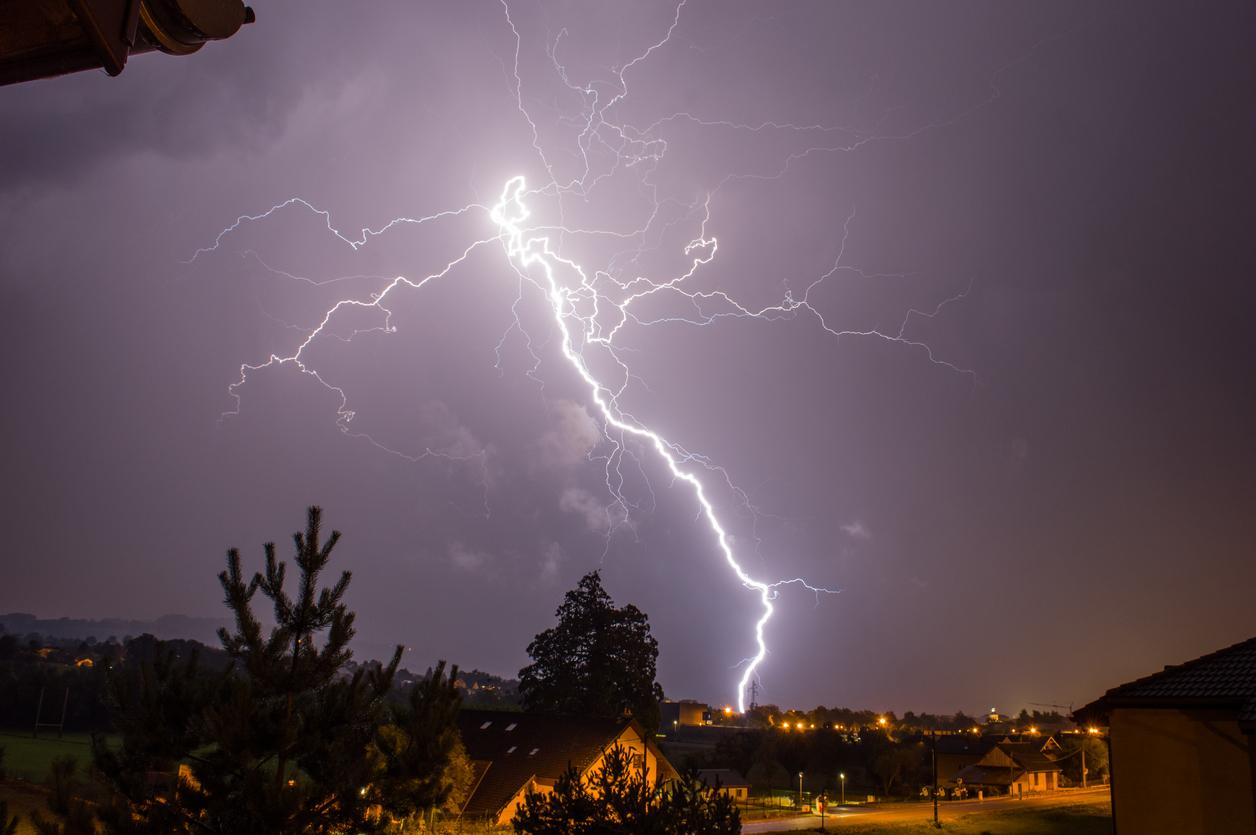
[(599, 660), (287, 739)]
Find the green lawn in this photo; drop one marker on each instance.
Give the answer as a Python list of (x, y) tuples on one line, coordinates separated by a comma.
[(28, 758)]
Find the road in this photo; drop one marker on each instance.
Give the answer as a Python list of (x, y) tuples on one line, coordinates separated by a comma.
[(907, 812)]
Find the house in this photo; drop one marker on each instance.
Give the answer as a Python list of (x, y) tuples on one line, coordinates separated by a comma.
[(1012, 767), (958, 751), (727, 781), (1182, 751), (683, 714), (514, 753)]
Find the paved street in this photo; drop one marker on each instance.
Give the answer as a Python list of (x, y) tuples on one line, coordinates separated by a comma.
[(907, 812)]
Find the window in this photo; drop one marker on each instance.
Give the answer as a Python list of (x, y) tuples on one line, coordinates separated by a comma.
[(484, 727)]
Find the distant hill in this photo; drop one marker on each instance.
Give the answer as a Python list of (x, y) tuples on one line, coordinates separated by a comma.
[(166, 627)]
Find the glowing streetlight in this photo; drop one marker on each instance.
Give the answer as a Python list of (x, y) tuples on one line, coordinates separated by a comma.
[(800, 791), (842, 777)]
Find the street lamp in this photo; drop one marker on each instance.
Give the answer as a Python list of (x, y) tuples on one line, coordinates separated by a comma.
[(800, 791), (842, 777)]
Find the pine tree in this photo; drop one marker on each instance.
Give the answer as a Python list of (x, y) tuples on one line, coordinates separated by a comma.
[(619, 798), (598, 661), (8, 825), (286, 740), (73, 816), (423, 766)]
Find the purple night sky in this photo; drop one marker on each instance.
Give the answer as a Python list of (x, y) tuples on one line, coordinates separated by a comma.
[(1012, 422)]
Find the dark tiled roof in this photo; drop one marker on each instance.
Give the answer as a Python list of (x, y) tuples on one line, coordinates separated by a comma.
[(1029, 756), (727, 778), (513, 748), (965, 745), (987, 775), (1225, 678)]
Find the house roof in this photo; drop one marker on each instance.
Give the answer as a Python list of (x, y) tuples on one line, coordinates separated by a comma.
[(964, 745), (727, 778), (1225, 678), (987, 775), (1025, 759), (510, 749), (1029, 756)]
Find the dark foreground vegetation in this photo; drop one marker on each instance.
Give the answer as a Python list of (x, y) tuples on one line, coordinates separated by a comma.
[(279, 731)]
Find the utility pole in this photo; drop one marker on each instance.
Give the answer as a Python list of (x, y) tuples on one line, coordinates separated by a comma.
[(933, 735), (1083, 762)]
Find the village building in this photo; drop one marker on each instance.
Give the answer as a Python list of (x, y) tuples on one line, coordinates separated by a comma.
[(1183, 746), (956, 752), (726, 781), (683, 714), (514, 753), (1017, 768)]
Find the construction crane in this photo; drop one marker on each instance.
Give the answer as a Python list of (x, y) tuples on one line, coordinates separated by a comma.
[(1068, 707), (47, 38)]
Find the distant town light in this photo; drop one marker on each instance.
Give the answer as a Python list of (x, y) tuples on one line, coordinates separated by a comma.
[(882, 721)]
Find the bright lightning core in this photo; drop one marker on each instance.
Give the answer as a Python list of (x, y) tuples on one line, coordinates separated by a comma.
[(534, 253), (586, 317)]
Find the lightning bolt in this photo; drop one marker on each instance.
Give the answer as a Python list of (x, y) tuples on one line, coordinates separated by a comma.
[(585, 315), (535, 251)]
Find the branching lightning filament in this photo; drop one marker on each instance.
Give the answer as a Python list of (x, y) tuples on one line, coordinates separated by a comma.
[(586, 317)]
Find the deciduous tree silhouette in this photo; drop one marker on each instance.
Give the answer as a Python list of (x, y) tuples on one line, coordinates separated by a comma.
[(598, 661)]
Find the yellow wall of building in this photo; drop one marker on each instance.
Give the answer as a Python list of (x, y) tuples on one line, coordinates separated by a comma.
[(1181, 773)]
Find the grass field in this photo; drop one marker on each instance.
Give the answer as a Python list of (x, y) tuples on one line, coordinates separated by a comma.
[(28, 758)]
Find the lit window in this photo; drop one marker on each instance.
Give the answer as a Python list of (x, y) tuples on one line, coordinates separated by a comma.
[(484, 727)]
